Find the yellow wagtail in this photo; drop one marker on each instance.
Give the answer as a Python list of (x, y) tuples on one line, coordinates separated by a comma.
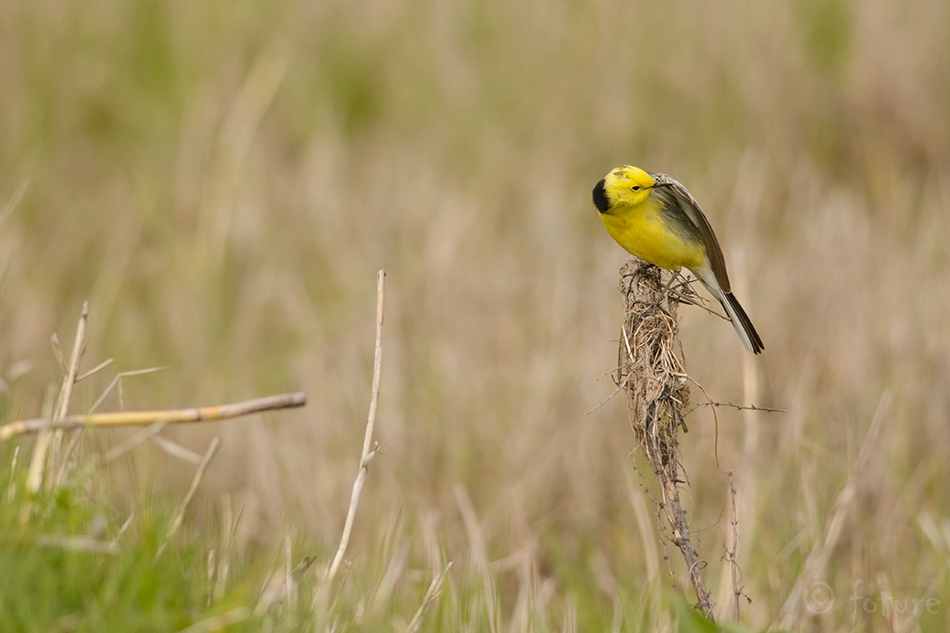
[(655, 218)]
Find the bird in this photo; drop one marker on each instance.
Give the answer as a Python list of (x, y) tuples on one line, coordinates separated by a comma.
[(656, 219)]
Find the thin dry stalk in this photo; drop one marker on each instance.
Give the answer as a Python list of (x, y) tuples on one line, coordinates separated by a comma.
[(95, 370), (731, 552), (657, 394), (145, 418), (435, 588), (281, 587), (841, 510), (118, 381), (479, 553), (58, 353), (132, 442), (62, 405), (65, 457), (195, 482), (175, 450), (223, 567), (47, 439), (367, 455)]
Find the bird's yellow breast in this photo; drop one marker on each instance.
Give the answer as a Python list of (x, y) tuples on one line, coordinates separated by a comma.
[(641, 231)]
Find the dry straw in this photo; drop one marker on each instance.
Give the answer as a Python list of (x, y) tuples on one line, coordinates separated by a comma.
[(215, 413), (51, 463)]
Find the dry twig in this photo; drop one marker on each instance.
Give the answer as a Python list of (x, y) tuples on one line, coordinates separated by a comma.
[(740, 407), (730, 555), (367, 455), (145, 418)]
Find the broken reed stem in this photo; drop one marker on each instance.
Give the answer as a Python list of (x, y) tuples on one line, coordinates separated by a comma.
[(657, 393), (367, 455), (145, 418)]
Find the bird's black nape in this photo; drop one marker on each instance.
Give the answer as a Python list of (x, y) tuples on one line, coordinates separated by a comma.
[(600, 196)]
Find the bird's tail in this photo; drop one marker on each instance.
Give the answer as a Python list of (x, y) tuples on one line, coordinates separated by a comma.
[(740, 320), (742, 323)]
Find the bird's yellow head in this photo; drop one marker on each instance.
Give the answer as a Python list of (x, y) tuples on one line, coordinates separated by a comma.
[(625, 185)]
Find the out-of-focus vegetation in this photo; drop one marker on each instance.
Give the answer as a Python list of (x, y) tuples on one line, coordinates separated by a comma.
[(223, 180), (71, 567)]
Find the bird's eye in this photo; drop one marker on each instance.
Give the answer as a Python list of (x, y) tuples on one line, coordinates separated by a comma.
[(637, 188)]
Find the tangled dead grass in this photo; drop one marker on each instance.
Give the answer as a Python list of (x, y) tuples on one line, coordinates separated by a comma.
[(654, 376)]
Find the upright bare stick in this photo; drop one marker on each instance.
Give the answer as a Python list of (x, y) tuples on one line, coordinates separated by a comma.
[(367, 455), (657, 393)]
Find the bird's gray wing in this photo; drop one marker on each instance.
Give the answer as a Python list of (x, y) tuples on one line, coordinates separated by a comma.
[(675, 194)]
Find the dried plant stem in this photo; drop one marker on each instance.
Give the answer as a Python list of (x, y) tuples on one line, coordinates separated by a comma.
[(95, 370), (479, 554), (195, 482), (48, 441), (202, 467), (65, 395), (731, 553), (435, 588), (145, 418), (117, 380), (367, 454), (142, 436), (657, 394), (676, 517)]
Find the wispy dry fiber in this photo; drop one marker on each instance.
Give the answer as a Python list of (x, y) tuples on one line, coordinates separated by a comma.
[(654, 378)]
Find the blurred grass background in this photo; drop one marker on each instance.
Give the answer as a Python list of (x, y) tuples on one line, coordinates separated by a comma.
[(222, 181)]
